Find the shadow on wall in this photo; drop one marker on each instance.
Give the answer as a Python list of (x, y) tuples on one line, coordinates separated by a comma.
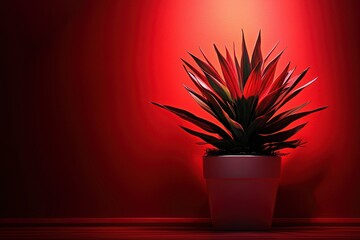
[(299, 199)]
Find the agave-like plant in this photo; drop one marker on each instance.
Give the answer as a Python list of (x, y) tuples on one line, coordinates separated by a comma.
[(246, 100)]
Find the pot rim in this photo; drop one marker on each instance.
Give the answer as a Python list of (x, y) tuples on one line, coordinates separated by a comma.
[(241, 166)]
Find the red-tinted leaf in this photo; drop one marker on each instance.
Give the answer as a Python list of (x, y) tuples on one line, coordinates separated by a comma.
[(272, 65), (294, 93), (295, 80), (207, 60), (232, 114), (239, 74), (267, 103), (192, 68), (234, 78), (236, 128), (290, 85), (253, 84), (257, 55), (306, 85), (290, 73), (268, 77), (206, 68), (279, 81), (245, 62), (200, 100), (227, 72), (268, 55), (203, 87), (230, 63)]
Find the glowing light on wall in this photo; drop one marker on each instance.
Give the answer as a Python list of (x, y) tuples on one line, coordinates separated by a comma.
[(90, 68)]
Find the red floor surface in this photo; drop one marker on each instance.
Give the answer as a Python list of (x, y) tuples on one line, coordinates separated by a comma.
[(149, 232), (94, 228)]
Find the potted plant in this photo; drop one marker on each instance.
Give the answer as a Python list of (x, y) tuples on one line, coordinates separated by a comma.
[(246, 100)]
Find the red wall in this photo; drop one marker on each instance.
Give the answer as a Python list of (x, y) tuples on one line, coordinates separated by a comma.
[(81, 139)]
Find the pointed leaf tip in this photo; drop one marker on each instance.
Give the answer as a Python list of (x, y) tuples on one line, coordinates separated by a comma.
[(157, 104), (245, 63), (256, 55)]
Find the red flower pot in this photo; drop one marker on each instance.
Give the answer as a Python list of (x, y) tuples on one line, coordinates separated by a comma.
[(242, 190)]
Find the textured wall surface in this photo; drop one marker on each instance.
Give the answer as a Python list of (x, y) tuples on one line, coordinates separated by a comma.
[(80, 139)]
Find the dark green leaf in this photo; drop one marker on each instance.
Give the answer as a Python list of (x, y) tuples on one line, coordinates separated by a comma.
[(206, 68), (242, 109), (281, 136), (256, 125), (267, 103), (294, 94), (200, 122), (203, 87), (218, 143), (295, 80), (235, 127), (218, 110), (253, 102), (219, 88), (287, 113), (207, 60), (284, 122), (281, 145), (200, 100), (192, 68)]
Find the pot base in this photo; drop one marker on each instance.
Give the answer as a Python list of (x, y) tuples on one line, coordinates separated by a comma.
[(240, 196), (242, 204)]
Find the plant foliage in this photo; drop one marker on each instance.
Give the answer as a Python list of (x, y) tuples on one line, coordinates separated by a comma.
[(246, 98)]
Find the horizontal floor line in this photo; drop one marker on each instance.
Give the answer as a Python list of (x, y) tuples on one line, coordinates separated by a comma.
[(166, 221)]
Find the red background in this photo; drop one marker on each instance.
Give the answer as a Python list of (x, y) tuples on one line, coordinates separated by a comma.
[(80, 139)]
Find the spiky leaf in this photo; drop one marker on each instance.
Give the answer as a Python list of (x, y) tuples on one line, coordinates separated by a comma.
[(246, 102)]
